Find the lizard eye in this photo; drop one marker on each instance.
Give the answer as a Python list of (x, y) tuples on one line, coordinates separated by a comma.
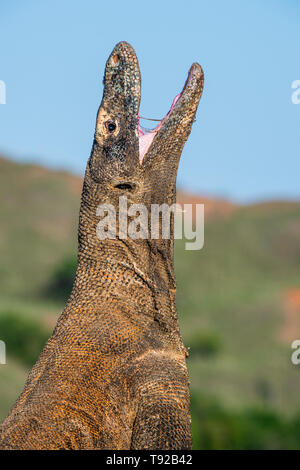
[(110, 126)]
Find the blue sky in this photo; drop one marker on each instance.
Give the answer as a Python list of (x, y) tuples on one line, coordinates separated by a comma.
[(245, 143)]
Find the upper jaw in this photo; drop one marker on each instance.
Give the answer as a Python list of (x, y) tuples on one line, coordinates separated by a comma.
[(122, 83)]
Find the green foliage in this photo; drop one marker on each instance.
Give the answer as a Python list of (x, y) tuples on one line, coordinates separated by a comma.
[(62, 279), (206, 344), (215, 427), (24, 337)]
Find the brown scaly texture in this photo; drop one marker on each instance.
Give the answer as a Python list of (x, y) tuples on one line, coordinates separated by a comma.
[(113, 374)]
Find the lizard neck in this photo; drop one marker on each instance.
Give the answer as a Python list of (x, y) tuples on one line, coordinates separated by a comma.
[(136, 269)]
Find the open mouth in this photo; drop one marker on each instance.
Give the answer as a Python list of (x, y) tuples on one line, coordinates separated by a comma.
[(122, 95), (146, 136)]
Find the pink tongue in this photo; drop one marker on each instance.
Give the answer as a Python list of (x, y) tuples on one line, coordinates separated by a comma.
[(145, 139)]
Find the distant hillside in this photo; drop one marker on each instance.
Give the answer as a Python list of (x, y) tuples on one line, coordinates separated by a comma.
[(38, 213), (214, 207), (238, 297)]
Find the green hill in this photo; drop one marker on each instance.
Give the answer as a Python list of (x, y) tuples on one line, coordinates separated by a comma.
[(238, 302)]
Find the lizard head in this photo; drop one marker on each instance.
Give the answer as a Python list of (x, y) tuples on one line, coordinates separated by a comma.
[(125, 158)]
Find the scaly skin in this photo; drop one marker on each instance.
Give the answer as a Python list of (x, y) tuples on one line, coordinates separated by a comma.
[(113, 374)]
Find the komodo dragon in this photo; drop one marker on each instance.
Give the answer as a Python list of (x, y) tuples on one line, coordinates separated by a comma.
[(113, 374)]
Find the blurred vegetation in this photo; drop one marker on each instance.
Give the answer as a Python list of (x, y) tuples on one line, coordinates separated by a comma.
[(205, 344), (215, 427), (25, 337), (62, 279), (230, 298)]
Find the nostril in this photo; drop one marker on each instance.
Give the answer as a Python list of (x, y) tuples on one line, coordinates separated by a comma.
[(115, 59), (125, 186)]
